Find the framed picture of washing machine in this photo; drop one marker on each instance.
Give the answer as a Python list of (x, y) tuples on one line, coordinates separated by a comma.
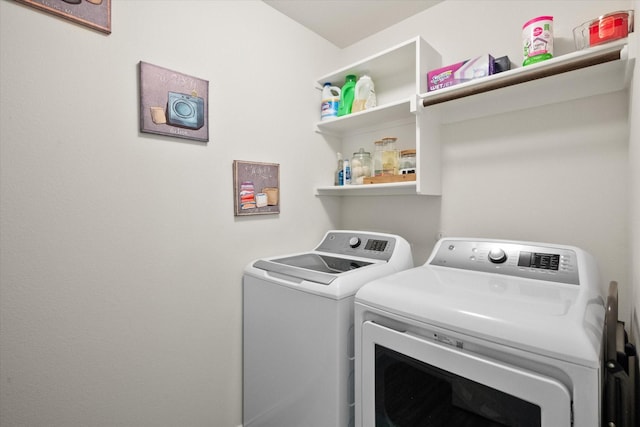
[(173, 103), (256, 188), (94, 14)]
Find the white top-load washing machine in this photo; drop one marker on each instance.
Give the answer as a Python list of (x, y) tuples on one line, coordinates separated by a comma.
[(486, 333), (298, 328)]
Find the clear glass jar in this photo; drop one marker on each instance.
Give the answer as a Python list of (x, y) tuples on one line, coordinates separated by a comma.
[(389, 156), (377, 158), (407, 161), (361, 166)]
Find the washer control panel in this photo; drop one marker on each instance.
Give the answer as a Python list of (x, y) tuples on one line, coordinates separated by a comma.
[(378, 247), (550, 263)]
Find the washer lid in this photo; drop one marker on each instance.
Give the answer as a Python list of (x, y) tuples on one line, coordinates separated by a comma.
[(313, 267)]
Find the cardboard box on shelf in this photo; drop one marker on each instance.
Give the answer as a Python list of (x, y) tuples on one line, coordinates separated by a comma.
[(460, 72)]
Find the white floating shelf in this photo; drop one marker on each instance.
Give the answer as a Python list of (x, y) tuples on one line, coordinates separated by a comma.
[(367, 119), (386, 63), (391, 189), (594, 71)]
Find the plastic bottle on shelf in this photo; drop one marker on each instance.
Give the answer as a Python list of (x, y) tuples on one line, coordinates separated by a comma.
[(330, 101), (339, 176), (346, 95), (347, 172), (364, 95)]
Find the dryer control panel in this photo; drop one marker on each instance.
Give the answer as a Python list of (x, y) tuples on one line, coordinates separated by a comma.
[(550, 263)]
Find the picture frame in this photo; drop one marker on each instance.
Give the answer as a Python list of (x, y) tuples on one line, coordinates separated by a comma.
[(173, 103), (256, 188), (95, 14)]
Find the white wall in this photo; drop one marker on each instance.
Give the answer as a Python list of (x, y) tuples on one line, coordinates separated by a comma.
[(634, 166), (121, 259), (578, 155)]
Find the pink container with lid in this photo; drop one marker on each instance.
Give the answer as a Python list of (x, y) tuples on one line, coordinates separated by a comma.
[(537, 40)]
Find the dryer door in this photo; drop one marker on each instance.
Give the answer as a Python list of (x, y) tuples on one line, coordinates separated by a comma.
[(407, 380)]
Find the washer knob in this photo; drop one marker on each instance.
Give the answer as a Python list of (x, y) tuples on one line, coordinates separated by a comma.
[(497, 256), (354, 242)]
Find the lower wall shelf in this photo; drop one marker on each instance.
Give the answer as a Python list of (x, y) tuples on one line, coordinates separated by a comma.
[(390, 189)]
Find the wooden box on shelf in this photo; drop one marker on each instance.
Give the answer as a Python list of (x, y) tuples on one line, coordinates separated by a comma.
[(389, 178)]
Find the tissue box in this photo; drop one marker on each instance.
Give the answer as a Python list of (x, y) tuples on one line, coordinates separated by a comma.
[(461, 72)]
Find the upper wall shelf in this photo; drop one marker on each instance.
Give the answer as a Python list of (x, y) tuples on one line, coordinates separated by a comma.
[(384, 64), (399, 73), (594, 71)]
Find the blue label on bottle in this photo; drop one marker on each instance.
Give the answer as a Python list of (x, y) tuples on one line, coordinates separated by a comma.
[(329, 108)]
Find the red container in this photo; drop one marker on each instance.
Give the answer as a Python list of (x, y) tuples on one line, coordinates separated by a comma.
[(609, 27)]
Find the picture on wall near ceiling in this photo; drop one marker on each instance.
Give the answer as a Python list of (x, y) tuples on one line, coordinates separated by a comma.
[(256, 188), (95, 14), (173, 103)]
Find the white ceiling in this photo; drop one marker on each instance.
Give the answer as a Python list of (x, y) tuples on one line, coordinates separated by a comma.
[(344, 22)]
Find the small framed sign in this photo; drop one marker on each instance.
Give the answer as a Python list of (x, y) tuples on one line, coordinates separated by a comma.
[(94, 14), (256, 188), (173, 103)]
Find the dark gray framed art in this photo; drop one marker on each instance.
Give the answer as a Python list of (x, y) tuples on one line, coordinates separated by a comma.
[(173, 103)]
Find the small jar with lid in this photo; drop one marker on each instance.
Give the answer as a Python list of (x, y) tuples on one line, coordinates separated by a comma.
[(389, 156), (407, 162), (361, 166)]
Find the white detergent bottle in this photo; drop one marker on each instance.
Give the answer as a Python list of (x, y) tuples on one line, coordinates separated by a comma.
[(330, 101), (364, 95)]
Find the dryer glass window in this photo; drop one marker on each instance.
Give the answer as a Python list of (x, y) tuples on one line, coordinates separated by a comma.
[(411, 393)]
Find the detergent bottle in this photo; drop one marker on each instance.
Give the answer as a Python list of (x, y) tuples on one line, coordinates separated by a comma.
[(346, 95), (364, 95), (330, 101)]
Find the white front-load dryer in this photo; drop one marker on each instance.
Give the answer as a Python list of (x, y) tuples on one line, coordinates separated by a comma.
[(298, 355), (485, 333)]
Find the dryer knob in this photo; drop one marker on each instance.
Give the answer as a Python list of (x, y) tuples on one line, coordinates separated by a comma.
[(497, 256), (354, 242)]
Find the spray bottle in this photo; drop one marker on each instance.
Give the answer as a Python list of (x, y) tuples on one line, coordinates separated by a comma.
[(339, 176), (347, 172)]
